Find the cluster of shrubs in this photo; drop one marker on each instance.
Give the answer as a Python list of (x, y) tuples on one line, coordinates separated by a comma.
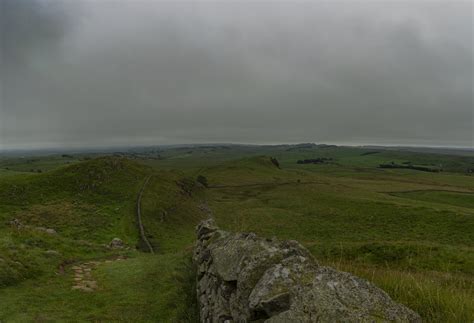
[(309, 146), (202, 180), (322, 160), (369, 153), (188, 184), (406, 165), (275, 162)]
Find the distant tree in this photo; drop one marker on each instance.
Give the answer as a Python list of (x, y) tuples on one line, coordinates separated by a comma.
[(275, 162), (202, 180), (187, 185)]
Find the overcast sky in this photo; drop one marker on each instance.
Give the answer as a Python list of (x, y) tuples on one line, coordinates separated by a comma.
[(94, 73)]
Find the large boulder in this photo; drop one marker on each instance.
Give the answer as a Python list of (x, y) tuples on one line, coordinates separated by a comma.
[(244, 278)]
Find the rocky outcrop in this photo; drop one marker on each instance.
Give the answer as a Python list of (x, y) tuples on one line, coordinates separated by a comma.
[(244, 278), (17, 224), (116, 243)]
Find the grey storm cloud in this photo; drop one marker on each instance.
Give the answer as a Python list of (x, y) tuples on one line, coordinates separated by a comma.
[(79, 73)]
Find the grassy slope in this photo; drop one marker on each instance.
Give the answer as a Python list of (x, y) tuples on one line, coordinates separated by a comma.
[(408, 231), (33, 164), (87, 204), (143, 288), (171, 214), (350, 220)]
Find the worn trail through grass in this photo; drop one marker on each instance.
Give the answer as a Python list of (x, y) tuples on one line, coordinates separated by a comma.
[(83, 279), (139, 217)]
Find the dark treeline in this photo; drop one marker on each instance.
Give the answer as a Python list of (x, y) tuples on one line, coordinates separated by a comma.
[(322, 160)]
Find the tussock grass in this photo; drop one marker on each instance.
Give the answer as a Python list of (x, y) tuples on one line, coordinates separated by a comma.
[(418, 249), (144, 288), (437, 296)]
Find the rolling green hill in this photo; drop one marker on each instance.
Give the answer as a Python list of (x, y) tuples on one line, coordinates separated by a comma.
[(87, 205), (410, 232)]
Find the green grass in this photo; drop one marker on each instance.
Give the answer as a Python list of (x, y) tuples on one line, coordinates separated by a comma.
[(88, 204), (357, 220), (140, 289), (35, 164), (409, 232), (437, 297), (460, 199), (170, 214)]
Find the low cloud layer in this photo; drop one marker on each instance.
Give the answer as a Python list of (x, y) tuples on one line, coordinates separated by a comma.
[(93, 73)]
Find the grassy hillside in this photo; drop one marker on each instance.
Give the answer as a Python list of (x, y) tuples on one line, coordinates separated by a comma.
[(408, 231), (288, 155), (87, 205), (386, 229), (37, 164)]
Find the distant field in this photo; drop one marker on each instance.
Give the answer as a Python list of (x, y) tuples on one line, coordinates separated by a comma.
[(408, 231), (36, 164), (461, 199)]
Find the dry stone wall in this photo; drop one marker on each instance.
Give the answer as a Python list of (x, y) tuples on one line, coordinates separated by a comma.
[(244, 278)]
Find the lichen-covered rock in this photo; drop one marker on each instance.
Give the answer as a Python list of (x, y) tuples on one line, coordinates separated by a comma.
[(47, 230), (243, 278), (116, 243)]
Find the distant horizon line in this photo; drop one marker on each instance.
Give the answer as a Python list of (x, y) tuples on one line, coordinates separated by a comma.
[(129, 146)]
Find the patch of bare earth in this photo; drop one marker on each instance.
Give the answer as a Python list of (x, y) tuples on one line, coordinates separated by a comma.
[(83, 279)]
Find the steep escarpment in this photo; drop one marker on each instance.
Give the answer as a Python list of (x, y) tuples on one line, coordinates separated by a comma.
[(244, 278)]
